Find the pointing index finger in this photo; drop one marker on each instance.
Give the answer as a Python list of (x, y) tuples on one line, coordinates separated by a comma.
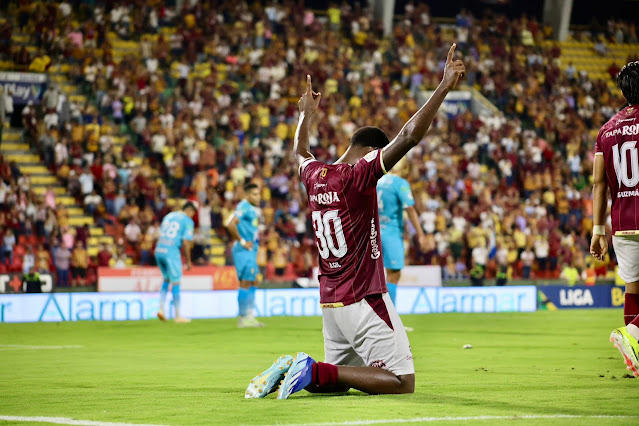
[(309, 88), (451, 53)]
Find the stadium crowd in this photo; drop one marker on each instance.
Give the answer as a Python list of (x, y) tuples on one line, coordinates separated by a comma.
[(208, 100)]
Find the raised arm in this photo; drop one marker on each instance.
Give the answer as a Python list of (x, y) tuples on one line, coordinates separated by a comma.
[(415, 129), (308, 105)]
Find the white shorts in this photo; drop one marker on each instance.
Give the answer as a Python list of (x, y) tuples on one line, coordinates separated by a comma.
[(359, 335), (627, 251)]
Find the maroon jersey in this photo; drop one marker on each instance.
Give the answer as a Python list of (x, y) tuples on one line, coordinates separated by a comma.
[(617, 142), (343, 202)]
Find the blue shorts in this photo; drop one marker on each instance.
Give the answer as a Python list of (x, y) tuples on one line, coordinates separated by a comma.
[(245, 262), (171, 266), (393, 250)]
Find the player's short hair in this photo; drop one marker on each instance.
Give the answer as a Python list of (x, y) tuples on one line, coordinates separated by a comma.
[(628, 82), (250, 186), (370, 136), (188, 205)]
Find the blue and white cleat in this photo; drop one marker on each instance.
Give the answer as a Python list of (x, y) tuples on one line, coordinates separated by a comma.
[(298, 376), (267, 382)]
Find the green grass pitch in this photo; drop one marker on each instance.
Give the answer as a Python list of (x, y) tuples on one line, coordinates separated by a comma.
[(542, 363)]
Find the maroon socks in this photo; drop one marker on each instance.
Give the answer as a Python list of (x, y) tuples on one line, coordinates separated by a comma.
[(631, 308), (324, 374)]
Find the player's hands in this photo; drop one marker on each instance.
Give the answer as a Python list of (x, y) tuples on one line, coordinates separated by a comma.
[(599, 246), (189, 266), (247, 245), (453, 70), (309, 102), (423, 243)]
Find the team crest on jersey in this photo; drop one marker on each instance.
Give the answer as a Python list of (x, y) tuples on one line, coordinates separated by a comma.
[(323, 172), (630, 110)]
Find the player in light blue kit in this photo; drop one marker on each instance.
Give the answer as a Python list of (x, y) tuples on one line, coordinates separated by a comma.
[(393, 197), (243, 225), (176, 231)]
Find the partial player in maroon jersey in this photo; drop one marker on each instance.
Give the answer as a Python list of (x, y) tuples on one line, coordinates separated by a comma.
[(616, 168)]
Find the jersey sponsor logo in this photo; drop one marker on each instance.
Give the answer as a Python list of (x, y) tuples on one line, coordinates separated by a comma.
[(630, 130), (334, 265), (320, 185), (325, 198), (375, 253), (626, 194), (626, 120)]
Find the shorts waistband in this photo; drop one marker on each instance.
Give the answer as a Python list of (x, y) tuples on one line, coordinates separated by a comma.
[(332, 305), (627, 233)]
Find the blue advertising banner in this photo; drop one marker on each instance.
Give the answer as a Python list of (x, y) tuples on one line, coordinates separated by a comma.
[(562, 297), (23, 86), (57, 307)]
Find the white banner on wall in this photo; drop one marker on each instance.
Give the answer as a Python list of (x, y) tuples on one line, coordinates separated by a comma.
[(421, 276), (58, 307)]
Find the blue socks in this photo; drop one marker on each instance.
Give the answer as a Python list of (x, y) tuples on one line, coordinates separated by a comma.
[(163, 292), (176, 299), (243, 300), (251, 302), (392, 292)]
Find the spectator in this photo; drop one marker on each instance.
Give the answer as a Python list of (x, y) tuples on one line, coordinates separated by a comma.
[(62, 258), (104, 256), (527, 258), (31, 281), (43, 259), (28, 261), (9, 241), (479, 259), (570, 274), (79, 264), (133, 231)]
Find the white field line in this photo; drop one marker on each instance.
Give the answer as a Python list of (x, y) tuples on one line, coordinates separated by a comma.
[(459, 419), (66, 421), (37, 347)]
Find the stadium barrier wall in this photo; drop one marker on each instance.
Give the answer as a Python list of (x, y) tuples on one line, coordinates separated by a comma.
[(24, 86), (57, 307), (563, 297), (149, 279), (12, 283)]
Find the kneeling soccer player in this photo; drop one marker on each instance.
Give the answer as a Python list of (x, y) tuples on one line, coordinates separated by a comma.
[(365, 344)]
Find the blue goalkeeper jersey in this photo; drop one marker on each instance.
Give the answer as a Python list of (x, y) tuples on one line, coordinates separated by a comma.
[(248, 216), (393, 196), (176, 227)]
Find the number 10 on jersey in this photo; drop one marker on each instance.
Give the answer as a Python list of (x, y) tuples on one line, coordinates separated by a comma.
[(325, 238)]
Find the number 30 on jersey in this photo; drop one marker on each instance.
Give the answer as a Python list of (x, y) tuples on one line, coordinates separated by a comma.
[(325, 241)]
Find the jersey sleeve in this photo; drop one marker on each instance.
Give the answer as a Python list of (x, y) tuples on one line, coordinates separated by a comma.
[(405, 194), (368, 170), (187, 234), (598, 144), (306, 170), (240, 211)]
